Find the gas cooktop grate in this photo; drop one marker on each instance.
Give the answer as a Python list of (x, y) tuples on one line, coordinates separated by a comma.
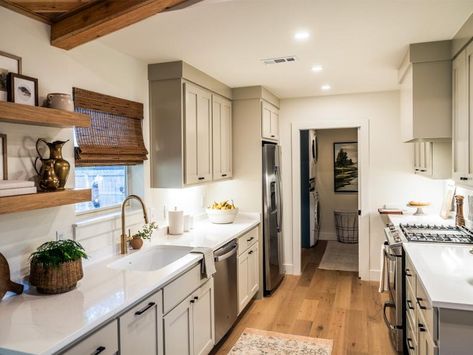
[(437, 233)]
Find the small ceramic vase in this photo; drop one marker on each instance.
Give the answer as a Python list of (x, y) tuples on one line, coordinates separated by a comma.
[(136, 243), (60, 101)]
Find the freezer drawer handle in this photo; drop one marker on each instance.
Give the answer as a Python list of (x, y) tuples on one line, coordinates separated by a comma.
[(386, 320), (140, 312), (99, 350)]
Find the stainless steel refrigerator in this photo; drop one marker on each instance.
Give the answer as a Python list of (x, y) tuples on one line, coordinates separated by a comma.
[(272, 218)]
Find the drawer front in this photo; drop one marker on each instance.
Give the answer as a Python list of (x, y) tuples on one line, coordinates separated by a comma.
[(247, 240), (411, 305), (104, 342), (182, 287), (426, 342), (425, 309), (411, 338), (410, 273)]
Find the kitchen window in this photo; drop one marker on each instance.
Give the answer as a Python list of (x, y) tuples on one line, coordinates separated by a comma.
[(106, 152), (109, 185)]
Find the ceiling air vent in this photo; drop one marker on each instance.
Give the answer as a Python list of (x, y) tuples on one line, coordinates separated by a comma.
[(279, 60)]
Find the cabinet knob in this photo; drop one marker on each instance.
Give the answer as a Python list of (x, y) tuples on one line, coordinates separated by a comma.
[(192, 301)]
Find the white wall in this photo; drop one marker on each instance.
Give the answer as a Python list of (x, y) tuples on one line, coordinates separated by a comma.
[(330, 200), (391, 178), (92, 66)]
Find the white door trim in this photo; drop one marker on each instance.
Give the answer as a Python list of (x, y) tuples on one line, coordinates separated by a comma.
[(363, 195)]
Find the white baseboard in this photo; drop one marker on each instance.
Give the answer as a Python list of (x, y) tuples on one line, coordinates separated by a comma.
[(289, 269)]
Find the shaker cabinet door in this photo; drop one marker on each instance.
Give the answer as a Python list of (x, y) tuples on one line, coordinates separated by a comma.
[(198, 138), (222, 137), (178, 337), (203, 319)]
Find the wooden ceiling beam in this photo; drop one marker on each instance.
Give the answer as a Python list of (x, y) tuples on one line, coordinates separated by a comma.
[(104, 17), (24, 11)]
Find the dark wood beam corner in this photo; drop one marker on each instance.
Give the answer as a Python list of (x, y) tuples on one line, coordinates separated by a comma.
[(104, 17)]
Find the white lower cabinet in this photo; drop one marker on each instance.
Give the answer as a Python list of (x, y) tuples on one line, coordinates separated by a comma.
[(189, 327), (141, 328), (248, 268), (104, 342)]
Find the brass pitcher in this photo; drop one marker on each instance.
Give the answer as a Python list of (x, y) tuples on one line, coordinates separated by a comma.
[(61, 166), (47, 179)]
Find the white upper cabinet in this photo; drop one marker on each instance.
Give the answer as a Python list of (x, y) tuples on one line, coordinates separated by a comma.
[(269, 121), (462, 84), (188, 145), (198, 137), (222, 137), (426, 93)]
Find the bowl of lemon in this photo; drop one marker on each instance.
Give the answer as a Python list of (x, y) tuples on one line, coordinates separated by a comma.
[(222, 212)]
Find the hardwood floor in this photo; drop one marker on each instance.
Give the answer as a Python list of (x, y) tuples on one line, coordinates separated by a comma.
[(324, 304)]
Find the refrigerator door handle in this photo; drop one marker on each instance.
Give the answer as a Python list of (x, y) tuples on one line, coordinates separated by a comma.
[(278, 199)]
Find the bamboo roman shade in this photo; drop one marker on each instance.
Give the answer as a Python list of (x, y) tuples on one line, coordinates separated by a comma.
[(115, 136)]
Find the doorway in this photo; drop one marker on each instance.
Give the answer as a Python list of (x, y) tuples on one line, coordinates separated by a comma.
[(362, 128), (329, 197)]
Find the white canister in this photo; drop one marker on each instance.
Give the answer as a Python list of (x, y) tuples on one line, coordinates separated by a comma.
[(176, 222)]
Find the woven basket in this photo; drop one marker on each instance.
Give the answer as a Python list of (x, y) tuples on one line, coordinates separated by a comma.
[(56, 279)]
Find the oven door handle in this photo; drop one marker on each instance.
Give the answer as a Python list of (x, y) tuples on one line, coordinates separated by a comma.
[(386, 320)]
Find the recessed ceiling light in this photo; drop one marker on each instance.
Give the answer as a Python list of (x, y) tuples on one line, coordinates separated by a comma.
[(317, 68), (326, 87), (301, 35)]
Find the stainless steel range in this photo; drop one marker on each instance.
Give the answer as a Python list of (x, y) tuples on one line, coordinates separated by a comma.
[(394, 309)]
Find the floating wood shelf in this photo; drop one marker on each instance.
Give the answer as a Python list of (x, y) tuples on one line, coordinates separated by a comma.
[(41, 116), (40, 200)]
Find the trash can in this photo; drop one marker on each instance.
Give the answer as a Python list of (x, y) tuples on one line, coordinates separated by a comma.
[(346, 226)]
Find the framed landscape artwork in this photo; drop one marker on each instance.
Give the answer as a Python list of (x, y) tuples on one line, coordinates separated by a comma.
[(345, 167), (9, 63)]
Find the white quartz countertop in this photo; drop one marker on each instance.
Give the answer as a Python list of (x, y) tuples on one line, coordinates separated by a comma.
[(446, 271), (43, 324)]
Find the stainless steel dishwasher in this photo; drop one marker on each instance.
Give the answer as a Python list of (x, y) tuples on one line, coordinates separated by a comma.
[(225, 281)]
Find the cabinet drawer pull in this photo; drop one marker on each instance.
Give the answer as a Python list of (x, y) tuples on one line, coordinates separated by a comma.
[(249, 240), (99, 350), (408, 273), (196, 297), (409, 344), (409, 304), (224, 175), (201, 178), (251, 252), (140, 312), (463, 178), (192, 301), (421, 306), (422, 327)]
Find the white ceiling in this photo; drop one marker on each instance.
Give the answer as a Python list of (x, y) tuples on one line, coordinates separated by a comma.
[(360, 43)]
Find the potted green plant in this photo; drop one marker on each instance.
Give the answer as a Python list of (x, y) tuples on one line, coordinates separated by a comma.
[(56, 266), (136, 240)]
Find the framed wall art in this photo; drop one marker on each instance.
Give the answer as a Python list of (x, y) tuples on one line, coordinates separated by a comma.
[(22, 89), (3, 157), (345, 158), (9, 63)]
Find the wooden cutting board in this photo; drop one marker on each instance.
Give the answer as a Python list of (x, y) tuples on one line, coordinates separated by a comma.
[(5, 283)]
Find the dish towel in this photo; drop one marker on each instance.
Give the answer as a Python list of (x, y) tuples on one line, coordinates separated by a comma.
[(208, 264), (383, 275)]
